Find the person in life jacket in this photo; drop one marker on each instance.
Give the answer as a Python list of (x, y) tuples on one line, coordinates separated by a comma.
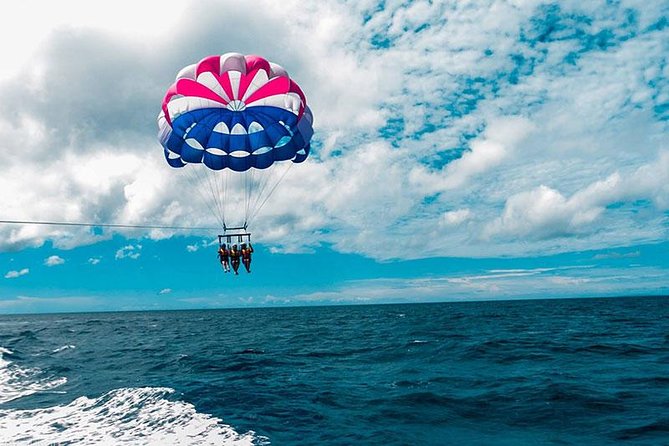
[(234, 258), (224, 256), (246, 256)]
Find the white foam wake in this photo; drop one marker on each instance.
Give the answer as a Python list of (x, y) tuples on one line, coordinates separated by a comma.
[(16, 382), (63, 348), (134, 416)]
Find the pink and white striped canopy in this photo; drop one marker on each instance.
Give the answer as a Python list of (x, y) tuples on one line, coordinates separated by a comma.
[(235, 82)]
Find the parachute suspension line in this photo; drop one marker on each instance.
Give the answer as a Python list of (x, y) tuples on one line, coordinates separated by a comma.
[(199, 180), (220, 183), (190, 176), (214, 193), (264, 181), (247, 174), (283, 175), (212, 201), (249, 194), (194, 179), (267, 180), (252, 190), (258, 188), (225, 179), (274, 185), (217, 194)]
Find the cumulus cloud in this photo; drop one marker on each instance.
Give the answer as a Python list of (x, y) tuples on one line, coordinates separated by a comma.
[(165, 291), (546, 213), (129, 252), (485, 152), (54, 260), (94, 260), (454, 218), (542, 212), (14, 273)]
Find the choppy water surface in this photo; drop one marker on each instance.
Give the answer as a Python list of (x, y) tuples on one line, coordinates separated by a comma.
[(586, 371)]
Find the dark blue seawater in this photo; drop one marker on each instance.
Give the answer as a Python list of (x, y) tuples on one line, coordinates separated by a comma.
[(582, 371)]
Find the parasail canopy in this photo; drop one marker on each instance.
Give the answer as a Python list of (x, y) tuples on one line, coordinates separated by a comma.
[(230, 117)]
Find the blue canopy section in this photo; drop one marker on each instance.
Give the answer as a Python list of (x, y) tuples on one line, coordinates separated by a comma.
[(270, 134)]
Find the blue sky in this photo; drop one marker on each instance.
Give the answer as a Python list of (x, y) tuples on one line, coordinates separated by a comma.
[(479, 150)]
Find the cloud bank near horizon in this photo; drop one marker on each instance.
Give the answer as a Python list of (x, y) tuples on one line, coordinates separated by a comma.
[(496, 128), (570, 281)]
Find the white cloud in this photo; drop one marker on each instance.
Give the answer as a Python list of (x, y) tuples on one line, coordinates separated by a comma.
[(32, 304), (546, 213), (165, 291), (14, 274), (454, 218), (204, 244), (485, 153), (145, 21), (564, 281), (617, 255), (129, 252), (54, 260), (94, 260)]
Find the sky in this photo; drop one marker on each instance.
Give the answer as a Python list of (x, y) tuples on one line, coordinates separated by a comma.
[(463, 150)]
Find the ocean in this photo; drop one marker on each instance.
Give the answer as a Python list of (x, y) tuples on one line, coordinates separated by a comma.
[(531, 372)]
